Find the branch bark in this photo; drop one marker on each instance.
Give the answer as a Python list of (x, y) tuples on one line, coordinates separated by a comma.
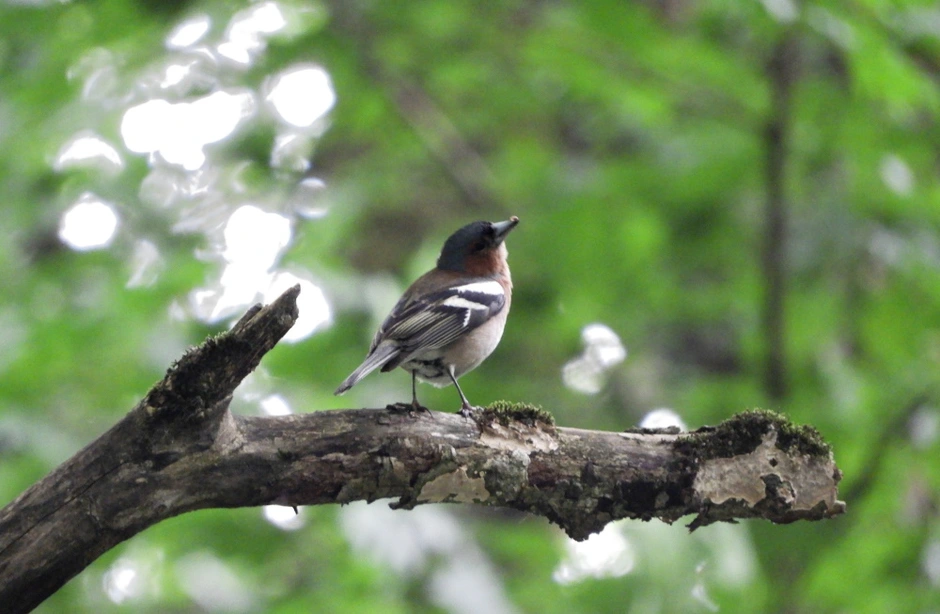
[(180, 449)]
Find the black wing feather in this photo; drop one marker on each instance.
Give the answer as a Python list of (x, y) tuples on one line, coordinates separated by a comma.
[(431, 322)]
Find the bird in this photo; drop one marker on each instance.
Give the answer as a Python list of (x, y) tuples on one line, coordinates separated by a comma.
[(451, 318)]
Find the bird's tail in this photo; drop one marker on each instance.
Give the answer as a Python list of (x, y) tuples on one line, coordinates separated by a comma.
[(376, 358)]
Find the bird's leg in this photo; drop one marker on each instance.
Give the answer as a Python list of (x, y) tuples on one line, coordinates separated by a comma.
[(414, 405), (414, 395), (466, 409)]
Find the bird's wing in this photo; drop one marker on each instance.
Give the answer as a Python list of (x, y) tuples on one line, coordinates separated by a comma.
[(440, 318)]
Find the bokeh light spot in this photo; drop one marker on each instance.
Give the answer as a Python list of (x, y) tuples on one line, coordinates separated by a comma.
[(784, 11), (254, 240), (189, 32), (699, 590), (134, 575), (315, 312), (602, 351), (180, 131), (291, 152), (309, 198), (247, 30), (301, 95), (283, 517), (145, 264), (122, 581), (897, 175), (254, 237), (607, 554), (88, 150), (275, 405), (930, 562), (88, 224), (213, 585), (662, 418)]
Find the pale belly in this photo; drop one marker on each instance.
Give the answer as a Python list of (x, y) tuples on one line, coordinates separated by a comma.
[(464, 355)]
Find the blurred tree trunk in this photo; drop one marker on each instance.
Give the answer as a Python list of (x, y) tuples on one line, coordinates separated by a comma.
[(782, 74)]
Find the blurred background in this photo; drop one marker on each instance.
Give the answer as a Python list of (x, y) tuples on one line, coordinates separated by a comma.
[(724, 205)]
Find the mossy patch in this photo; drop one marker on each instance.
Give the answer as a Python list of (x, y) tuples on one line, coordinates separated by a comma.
[(742, 433), (505, 412)]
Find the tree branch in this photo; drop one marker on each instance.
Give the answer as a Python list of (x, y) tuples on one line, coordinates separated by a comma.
[(181, 449)]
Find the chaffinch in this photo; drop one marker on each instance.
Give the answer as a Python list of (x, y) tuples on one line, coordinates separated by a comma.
[(450, 319)]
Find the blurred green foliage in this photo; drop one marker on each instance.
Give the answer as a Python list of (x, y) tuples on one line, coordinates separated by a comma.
[(637, 143)]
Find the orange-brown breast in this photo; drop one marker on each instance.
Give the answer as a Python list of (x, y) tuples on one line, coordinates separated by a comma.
[(489, 263)]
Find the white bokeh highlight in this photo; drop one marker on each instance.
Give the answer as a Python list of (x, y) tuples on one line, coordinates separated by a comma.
[(213, 585), (275, 405), (291, 152), (699, 590), (134, 576), (123, 582), (283, 517), (255, 238), (428, 541), (603, 350), (88, 150), (924, 427), (607, 554), (301, 95), (145, 263), (314, 310), (253, 242), (784, 11), (309, 199), (180, 131), (90, 223), (662, 418), (189, 32), (930, 562), (248, 30), (897, 175)]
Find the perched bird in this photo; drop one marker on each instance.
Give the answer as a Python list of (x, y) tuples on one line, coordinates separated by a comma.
[(450, 319)]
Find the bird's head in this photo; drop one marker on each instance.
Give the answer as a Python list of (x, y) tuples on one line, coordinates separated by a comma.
[(477, 248)]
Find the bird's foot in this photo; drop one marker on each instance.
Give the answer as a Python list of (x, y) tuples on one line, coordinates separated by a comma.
[(403, 408), (469, 411)]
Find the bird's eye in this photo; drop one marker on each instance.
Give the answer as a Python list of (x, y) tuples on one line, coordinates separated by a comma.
[(478, 246)]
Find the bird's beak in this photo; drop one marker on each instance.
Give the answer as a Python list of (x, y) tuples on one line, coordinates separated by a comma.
[(503, 228)]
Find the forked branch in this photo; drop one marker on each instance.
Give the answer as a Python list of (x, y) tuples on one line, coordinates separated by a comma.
[(181, 449)]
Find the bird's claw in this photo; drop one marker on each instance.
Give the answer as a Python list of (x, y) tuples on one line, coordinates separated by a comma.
[(403, 408), (468, 411)]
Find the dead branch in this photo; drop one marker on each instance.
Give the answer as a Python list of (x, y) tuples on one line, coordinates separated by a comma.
[(181, 449)]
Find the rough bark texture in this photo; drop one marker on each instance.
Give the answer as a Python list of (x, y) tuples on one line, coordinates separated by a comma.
[(181, 449)]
